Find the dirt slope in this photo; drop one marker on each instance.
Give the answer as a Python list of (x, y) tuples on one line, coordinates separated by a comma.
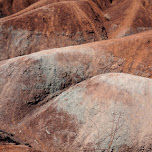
[(75, 98), (51, 24), (9, 7), (39, 29), (129, 17), (9, 143), (16, 148), (38, 77), (111, 112), (23, 6), (15, 7)]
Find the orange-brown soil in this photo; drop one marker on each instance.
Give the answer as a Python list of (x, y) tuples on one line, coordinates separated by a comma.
[(16, 148), (36, 79), (55, 25), (51, 24), (59, 96), (129, 17), (16, 7), (9, 7), (103, 112)]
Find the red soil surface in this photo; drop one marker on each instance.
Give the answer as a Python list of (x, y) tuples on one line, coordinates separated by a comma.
[(96, 95), (51, 24), (54, 25), (36, 79), (16, 148), (129, 17)]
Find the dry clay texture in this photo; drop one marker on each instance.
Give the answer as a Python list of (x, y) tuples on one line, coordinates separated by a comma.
[(109, 112), (36, 77), (54, 25), (46, 24), (9, 143), (16, 148), (45, 106), (16, 7), (9, 7), (128, 17)]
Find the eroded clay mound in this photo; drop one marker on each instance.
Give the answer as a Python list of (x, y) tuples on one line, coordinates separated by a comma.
[(30, 81), (111, 112), (14, 8), (128, 17), (54, 25), (50, 23), (17, 7)]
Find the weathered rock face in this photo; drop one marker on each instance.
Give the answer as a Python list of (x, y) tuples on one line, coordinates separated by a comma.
[(109, 112)]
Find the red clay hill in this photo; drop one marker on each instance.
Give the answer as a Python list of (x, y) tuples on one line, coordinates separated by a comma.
[(51, 24), (128, 17), (31, 83), (54, 25), (60, 91)]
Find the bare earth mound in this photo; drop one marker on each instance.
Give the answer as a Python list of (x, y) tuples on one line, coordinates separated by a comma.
[(57, 97), (54, 25), (41, 25), (111, 112), (128, 17)]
